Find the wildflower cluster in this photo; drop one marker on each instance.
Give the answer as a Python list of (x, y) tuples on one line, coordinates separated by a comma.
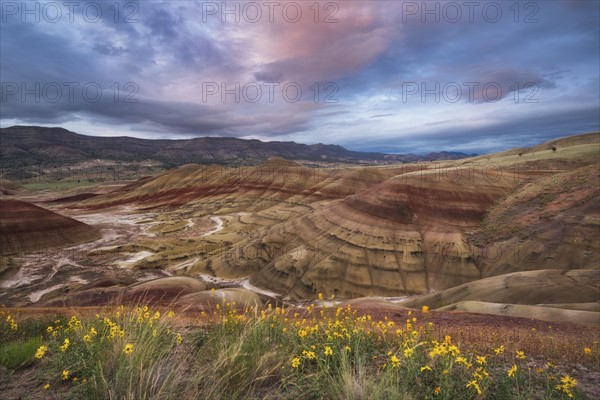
[(566, 385), (7, 322), (71, 346), (324, 340), (234, 350)]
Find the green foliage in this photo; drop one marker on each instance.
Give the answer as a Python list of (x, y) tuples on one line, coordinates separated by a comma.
[(19, 354)]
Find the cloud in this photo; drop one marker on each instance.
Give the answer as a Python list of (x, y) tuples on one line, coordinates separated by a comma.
[(524, 131), (167, 52), (307, 51)]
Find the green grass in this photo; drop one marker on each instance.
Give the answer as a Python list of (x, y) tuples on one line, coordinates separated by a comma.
[(19, 354)]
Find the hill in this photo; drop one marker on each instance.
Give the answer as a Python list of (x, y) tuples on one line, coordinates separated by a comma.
[(288, 230), (387, 230), (25, 227), (550, 295), (30, 151)]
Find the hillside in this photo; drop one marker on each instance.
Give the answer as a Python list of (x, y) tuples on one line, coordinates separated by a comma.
[(550, 295), (30, 151), (289, 231), (394, 230), (26, 228)]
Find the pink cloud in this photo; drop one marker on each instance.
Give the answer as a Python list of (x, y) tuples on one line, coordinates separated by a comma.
[(308, 51)]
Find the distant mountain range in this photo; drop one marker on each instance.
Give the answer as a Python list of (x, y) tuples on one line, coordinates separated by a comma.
[(33, 145)]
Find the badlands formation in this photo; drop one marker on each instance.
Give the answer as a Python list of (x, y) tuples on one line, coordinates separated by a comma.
[(514, 233), (26, 228)]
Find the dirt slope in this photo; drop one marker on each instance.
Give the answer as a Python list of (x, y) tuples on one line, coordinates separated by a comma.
[(25, 227)]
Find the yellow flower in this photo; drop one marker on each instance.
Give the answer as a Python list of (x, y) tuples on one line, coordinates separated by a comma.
[(480, 373), (475, 386), (587, 351), (74, 323), (320, 296), (461, 360), (93, 331), (12, 322), (128, 348), (408, 352), (65, 345), (179, 339), (511, 372), (46, 386), (499, 350), (39, 353), (454, 350), (437, 390), (481, 360), (87, 338), (426, 368), (568, 381), (347, 348), (171, 314), (395, 361), (295, 362), (65, 374), (328, 351), (425, 309), (521, 355)]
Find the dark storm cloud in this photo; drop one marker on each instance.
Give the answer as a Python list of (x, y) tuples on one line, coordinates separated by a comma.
[(168, 51), (506, 52), (177, 118)]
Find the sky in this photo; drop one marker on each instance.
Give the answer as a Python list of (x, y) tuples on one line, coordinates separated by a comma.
[(385, 76)]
